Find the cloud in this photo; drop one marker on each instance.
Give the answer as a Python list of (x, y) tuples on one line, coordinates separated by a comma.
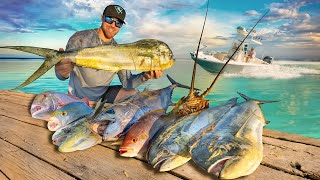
[(33, 15), (87, 8), (252, 13)]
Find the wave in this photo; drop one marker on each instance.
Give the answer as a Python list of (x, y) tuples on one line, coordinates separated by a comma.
[(274, 71)]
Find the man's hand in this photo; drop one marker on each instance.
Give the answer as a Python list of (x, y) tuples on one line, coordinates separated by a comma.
[(64, 67), (152, 75)]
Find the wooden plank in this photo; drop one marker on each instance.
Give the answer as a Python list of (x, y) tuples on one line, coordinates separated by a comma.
[(189, 170), (291, 137), (26, 96), (3, 176), (18, 164), (293, 158), (20, 113), (26, 99), (97, 162)]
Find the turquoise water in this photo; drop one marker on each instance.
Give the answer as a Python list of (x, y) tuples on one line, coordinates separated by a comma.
[(295, 84)]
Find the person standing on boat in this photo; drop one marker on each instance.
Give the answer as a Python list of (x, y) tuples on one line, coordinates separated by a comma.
[(92, 83), (251, 55)]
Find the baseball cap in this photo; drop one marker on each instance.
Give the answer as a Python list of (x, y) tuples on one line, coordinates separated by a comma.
[(115, 11)]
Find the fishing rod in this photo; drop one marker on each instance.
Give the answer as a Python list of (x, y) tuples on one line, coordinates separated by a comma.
[(214, 81)]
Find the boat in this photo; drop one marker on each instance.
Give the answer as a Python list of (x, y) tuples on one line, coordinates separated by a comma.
[(214, 61)]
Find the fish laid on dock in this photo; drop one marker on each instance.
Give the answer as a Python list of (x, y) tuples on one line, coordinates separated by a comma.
[(67, 114), (169, 148), (121, 116), (233, 147), (143, 55), (46, 103)]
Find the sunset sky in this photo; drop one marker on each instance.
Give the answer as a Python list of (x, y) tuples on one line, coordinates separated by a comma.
[(291, 29)]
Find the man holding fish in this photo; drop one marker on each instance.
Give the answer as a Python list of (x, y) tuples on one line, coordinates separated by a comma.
[(93, 83)]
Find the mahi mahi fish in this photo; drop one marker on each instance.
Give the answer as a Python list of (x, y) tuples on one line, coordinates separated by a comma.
[(143, 55), (77, 136), (169, 148), (233, 147), (46, 103)]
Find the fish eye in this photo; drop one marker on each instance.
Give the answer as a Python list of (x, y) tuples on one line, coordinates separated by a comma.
[(110, 111), (134, 140), (66, 130), (63, 113), (165, 151)]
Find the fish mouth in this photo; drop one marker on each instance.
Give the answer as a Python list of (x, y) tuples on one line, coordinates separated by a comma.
[(159, 163), (127, 152), (99, 127), (217, 167), (39, 112), (58, 141), (53, 124)]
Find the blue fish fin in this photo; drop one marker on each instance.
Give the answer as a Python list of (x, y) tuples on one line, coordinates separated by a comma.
[(258, 101)]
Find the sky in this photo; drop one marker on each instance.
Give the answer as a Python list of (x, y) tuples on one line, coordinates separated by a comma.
[(291, 29)]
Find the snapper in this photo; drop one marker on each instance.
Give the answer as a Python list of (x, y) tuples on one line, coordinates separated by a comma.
[(46, 103)]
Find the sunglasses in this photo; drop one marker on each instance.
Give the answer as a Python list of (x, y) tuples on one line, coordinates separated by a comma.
[(110, 20)]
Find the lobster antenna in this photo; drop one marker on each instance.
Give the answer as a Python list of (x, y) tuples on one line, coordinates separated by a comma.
[(215, 79), (191, 92)]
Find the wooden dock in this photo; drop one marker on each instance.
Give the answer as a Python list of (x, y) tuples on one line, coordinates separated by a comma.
[(26, 152)]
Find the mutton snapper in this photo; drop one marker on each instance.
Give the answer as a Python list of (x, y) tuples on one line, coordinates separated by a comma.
[(123, 115), (169, 148), (67, 114), (233, 147), (46, 103), (138, 136), (143, 55), (137, 139)]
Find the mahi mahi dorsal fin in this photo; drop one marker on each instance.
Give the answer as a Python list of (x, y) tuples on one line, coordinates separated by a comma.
[(258, 101)]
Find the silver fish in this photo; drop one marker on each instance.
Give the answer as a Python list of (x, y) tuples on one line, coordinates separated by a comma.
[(124, 114)]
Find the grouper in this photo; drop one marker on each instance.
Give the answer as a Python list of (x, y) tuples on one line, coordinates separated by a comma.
[(143, 55)]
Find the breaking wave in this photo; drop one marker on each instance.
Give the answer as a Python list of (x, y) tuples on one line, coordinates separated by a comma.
[(275, 71)]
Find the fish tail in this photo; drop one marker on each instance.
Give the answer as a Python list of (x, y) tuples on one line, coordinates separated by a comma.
[(178, 84), (52, 58), (259, 101)]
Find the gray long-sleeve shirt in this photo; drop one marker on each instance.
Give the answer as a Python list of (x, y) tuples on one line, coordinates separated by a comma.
[(92, 83)]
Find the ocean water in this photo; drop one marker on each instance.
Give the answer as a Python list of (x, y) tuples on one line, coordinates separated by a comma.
[(296, 84)]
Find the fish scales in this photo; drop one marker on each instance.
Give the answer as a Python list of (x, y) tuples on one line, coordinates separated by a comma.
[(143, 55), (169, 148), (232, 148)]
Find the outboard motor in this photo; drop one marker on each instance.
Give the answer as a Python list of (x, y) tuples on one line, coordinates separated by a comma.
[(268, 59)]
